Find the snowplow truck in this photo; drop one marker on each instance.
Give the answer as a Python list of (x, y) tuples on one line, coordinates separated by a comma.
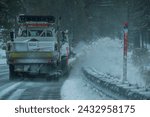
[(37, 47)]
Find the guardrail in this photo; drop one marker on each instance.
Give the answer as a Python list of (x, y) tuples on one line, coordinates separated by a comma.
[(111, 83)]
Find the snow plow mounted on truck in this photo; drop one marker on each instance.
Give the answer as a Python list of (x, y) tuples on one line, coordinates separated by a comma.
[(37, 47)]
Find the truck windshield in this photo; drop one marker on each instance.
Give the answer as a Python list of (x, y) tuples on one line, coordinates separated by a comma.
[(36, 33)]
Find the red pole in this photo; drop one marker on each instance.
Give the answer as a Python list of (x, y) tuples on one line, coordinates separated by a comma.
[(125, 52)]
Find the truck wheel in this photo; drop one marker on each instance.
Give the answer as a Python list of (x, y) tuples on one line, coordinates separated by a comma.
[(12, 73), (64, 63)]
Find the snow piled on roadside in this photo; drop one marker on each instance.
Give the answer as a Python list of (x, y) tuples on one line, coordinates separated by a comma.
[(75, 88), (104, 55)]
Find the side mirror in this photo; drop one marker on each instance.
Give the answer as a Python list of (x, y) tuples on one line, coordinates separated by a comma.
[(12, 36)]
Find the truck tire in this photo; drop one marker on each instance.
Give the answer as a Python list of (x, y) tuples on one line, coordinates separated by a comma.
[(64, 65), (63, 62), (12, 73)]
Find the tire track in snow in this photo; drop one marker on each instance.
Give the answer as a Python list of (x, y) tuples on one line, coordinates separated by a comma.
[(8, 88), (16, 95), (29, 90), (43, 93), (5, 86), (3, 65), (3, 74)]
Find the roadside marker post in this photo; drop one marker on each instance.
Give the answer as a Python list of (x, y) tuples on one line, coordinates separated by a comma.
[(125, 50)]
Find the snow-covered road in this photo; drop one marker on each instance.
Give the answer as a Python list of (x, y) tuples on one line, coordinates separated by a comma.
[(28, 89), (38, 89), (2, 57), (104, 55)]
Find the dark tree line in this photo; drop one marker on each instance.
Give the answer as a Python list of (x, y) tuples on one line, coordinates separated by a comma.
[(87, 19), (8, 11), (139, 17)]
